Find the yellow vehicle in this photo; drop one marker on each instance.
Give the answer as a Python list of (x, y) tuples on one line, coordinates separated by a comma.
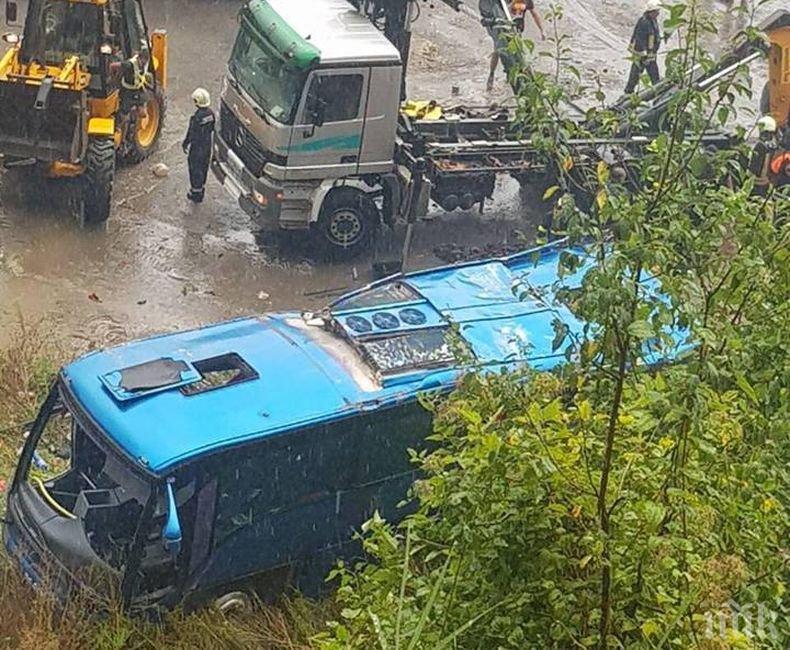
[(776, 94), (82, 85)]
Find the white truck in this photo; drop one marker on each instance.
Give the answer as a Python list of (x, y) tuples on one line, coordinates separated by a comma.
[(312, 135), (308, 117)]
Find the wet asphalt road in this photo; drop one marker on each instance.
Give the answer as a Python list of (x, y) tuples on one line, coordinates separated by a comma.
[(164, 264)]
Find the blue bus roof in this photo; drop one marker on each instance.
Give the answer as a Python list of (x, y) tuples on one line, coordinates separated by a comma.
[(370, 349)]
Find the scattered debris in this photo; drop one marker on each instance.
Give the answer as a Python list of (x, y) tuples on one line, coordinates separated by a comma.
[(324, 292), (453, 253), (14, 267), (160, 170)]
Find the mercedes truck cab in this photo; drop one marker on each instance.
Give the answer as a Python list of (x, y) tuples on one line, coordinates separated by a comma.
[(308, 116)]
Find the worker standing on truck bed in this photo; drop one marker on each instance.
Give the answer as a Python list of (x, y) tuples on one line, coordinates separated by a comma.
[(197, 144), (498, 23), (644, 45), (762, 155)]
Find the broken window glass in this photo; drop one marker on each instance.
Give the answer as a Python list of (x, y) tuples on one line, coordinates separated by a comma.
[(218, 372), (418, 349)]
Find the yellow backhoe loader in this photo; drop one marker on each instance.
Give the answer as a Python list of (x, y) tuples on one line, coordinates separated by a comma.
[(775, 99), (82, 85)]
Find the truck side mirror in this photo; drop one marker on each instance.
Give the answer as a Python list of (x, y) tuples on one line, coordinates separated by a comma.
[(316, 103), (171, 533), (318, 113), (11, 12)]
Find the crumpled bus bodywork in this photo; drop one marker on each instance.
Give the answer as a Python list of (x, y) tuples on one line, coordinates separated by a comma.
[(245, 455)]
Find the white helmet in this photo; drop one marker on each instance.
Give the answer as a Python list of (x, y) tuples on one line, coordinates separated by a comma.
[(766, 124), (201, 98), (653, 5)]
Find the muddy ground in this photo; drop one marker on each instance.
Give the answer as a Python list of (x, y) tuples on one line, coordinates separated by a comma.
[(164, 264)]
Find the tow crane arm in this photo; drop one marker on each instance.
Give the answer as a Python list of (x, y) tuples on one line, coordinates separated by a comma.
[(394, 18)]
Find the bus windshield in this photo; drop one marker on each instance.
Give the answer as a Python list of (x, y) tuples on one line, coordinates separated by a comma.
[(82, 480), (266, 78), (57, 30)]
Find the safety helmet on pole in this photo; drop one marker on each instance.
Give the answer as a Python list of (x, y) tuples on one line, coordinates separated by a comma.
[(201, 98), (652, 5), (766, 124)]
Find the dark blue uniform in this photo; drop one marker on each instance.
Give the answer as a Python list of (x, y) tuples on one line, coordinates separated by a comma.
[(644, 46), (198, 143)]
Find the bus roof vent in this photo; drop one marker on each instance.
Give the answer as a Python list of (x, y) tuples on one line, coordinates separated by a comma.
[(218, 372), (140, 380)]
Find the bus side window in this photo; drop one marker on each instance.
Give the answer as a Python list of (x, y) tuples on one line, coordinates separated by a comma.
[(287, 472), (385, 439)]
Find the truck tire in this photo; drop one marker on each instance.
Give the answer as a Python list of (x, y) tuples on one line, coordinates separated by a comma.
[(95, 184), (346, 223), (142, 133)]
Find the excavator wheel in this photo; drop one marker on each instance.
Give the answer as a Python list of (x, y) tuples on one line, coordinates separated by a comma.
[(143, 131), (95, 184)]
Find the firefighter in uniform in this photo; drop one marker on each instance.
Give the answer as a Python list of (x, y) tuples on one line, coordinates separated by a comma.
[(644, 45), (197, 144), (135, 79), (762, 155)]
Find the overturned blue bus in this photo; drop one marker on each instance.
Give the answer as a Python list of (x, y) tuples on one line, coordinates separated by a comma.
[(187, 468)]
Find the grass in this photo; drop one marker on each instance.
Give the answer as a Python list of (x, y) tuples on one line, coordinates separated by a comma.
[(28, 619)]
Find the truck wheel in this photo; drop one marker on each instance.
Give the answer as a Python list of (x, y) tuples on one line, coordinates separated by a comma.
[(347, 221), (142, 132), (95, 184)]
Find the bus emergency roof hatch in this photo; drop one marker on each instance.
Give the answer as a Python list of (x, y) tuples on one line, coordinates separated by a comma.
[(275, 33), (150, 377)]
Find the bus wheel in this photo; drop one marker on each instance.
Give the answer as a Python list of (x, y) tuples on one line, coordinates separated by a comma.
[(347, 221), (234, 602)]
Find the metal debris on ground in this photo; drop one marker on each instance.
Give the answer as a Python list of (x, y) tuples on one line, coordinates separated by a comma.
[(453, 253)]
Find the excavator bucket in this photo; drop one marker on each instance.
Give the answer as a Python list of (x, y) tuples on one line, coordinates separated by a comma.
[(40, 122)]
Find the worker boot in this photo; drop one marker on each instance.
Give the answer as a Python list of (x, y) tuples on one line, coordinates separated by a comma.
[(196, 196)]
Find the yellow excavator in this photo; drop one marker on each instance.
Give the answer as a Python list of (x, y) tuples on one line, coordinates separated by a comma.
[(775, 100), (81, 86)]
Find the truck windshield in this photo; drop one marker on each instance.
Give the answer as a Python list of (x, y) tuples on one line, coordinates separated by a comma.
[(80, 479), (56, 29), (266, 78)]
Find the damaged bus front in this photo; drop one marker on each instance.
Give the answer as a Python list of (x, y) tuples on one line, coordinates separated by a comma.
[(82, 516)]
